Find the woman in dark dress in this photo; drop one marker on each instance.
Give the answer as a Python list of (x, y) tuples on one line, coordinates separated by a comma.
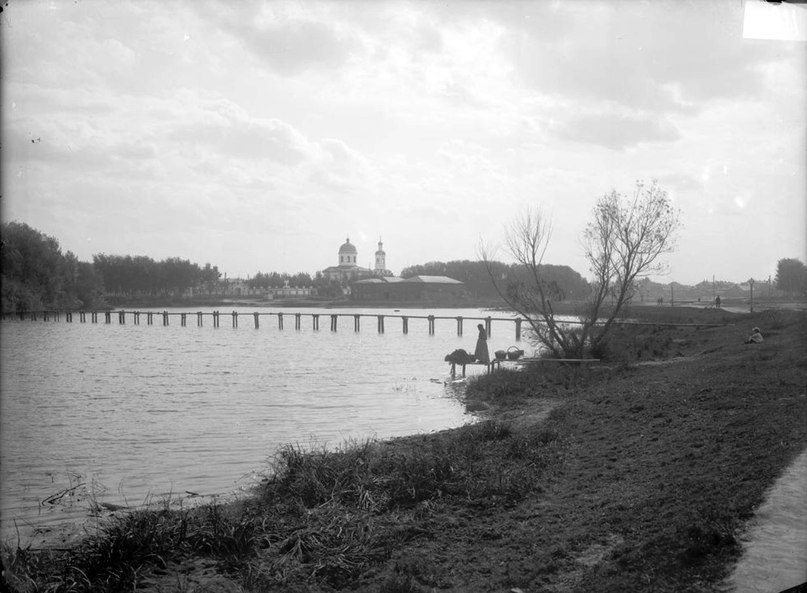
[(481, 352)]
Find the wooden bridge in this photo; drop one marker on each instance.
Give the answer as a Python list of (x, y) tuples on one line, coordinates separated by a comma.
[(238, 317)]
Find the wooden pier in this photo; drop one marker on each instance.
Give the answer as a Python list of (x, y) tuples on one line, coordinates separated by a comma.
[(236, 317)]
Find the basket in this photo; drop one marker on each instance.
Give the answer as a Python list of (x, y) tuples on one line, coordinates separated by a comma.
[(514, 353), (500, 354)]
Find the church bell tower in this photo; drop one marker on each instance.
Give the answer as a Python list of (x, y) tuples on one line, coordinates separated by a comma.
[(380, 259)]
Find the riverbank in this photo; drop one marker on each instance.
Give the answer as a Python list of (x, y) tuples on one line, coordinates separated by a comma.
[(636, 475)]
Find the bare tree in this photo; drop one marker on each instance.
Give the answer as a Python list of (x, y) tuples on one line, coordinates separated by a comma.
[(530, 294), (622, 243)]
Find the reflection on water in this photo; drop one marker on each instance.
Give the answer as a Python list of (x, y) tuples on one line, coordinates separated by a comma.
[(775, 546), (117, 413)]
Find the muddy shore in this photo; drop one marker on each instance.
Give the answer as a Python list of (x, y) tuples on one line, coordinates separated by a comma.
[(634, 475)]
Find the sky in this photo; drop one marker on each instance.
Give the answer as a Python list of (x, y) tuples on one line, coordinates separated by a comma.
[(257, 136)]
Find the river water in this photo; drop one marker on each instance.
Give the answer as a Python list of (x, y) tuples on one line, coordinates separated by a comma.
[(123, 414)]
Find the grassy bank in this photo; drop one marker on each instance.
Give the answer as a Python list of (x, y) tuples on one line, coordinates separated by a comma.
[(631, 476)]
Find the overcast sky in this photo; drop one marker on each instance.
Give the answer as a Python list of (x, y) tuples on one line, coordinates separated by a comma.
[(257, 135)]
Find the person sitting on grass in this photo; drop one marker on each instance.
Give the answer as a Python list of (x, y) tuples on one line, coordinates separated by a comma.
[(755, 337)]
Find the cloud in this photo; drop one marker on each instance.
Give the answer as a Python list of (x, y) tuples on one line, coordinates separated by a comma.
[(616, 131), (667, 57), (289, 38), (680, 181), (222, 126)]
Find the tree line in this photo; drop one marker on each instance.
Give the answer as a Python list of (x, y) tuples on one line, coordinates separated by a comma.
[(476, 275), (279, 280), (37, 275), (127, 275)]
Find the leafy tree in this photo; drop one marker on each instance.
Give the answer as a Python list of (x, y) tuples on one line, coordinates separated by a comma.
[(301, 280), (209, 278), (141, 275), (791, 276), (36, 275), (327, 287)]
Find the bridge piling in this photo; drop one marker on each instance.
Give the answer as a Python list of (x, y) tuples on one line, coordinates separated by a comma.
[(48, 315)]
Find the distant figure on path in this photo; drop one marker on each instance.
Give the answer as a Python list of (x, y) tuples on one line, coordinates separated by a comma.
[(717, 301), (481, 353), (755, 337)]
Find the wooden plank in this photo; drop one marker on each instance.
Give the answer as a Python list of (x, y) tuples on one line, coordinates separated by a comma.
[(569, 360)]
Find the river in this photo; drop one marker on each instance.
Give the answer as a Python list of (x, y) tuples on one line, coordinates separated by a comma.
[(118, 414)]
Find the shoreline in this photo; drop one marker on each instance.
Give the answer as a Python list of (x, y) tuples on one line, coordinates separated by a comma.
[(642, 478)]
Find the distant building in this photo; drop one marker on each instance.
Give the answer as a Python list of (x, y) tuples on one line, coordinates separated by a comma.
[(287, 291), (381, 261), (238, 287), (417, 289), (348, 269)]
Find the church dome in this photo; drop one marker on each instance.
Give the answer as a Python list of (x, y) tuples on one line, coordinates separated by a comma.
[(347, 247)]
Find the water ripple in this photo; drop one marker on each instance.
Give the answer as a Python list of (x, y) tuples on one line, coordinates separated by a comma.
[(138, 409)]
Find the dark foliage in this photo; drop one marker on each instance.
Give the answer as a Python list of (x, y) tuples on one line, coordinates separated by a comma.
[(568, 283), (36, 275), (141, 275)]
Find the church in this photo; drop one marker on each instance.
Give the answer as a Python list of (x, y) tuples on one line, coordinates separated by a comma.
[(379, 286), (348, 270)]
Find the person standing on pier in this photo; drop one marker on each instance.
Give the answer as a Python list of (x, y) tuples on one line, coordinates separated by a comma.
[(481, 353)]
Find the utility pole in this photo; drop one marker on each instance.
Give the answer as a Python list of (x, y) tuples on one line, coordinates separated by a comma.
[(751, 284)]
